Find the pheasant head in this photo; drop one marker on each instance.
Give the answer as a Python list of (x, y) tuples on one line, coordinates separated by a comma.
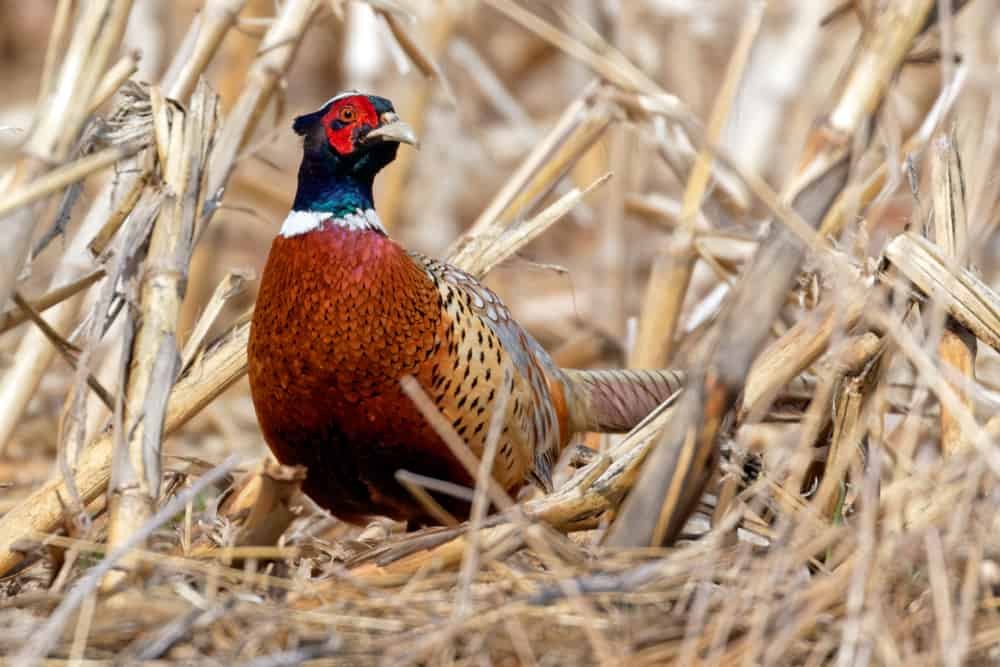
[(345, 144)]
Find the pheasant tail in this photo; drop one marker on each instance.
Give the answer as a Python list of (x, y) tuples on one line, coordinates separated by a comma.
[(614, 401)]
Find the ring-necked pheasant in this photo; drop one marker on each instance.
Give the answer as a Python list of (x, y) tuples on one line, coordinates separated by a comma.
[(344, 313)]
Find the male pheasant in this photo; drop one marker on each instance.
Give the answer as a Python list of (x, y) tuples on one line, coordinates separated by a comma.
[(344, 313)]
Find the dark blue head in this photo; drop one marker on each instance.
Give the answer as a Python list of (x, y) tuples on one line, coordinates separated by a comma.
[(345, 144)]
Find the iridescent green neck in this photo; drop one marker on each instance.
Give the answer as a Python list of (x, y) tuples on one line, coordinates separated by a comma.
[(331, 184)]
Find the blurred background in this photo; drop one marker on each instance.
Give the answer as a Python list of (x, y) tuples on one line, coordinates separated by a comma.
[(579, 287)]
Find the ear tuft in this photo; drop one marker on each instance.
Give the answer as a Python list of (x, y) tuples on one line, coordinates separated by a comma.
[(304, 124)]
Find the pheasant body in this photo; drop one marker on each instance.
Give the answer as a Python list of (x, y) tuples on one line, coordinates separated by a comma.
[(344, 313), (341, 317)]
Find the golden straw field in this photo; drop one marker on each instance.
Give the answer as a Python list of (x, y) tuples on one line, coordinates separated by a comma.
[(793, 203)]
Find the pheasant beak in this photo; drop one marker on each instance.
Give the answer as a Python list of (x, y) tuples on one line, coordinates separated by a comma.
[(392, 129)]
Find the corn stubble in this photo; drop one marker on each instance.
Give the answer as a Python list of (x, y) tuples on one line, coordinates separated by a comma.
[(819, 259)]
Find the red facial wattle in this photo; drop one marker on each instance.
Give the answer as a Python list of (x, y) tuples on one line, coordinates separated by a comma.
[(344, 118)]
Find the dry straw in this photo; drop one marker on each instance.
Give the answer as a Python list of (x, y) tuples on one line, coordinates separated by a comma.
[(822, 490)]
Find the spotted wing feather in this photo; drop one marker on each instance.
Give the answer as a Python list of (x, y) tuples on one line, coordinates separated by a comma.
[(486, 358)]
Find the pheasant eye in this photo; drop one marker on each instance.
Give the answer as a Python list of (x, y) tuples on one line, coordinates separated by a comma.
[(347, 114)]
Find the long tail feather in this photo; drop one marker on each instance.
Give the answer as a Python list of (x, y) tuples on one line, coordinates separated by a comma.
[(614, 401)]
